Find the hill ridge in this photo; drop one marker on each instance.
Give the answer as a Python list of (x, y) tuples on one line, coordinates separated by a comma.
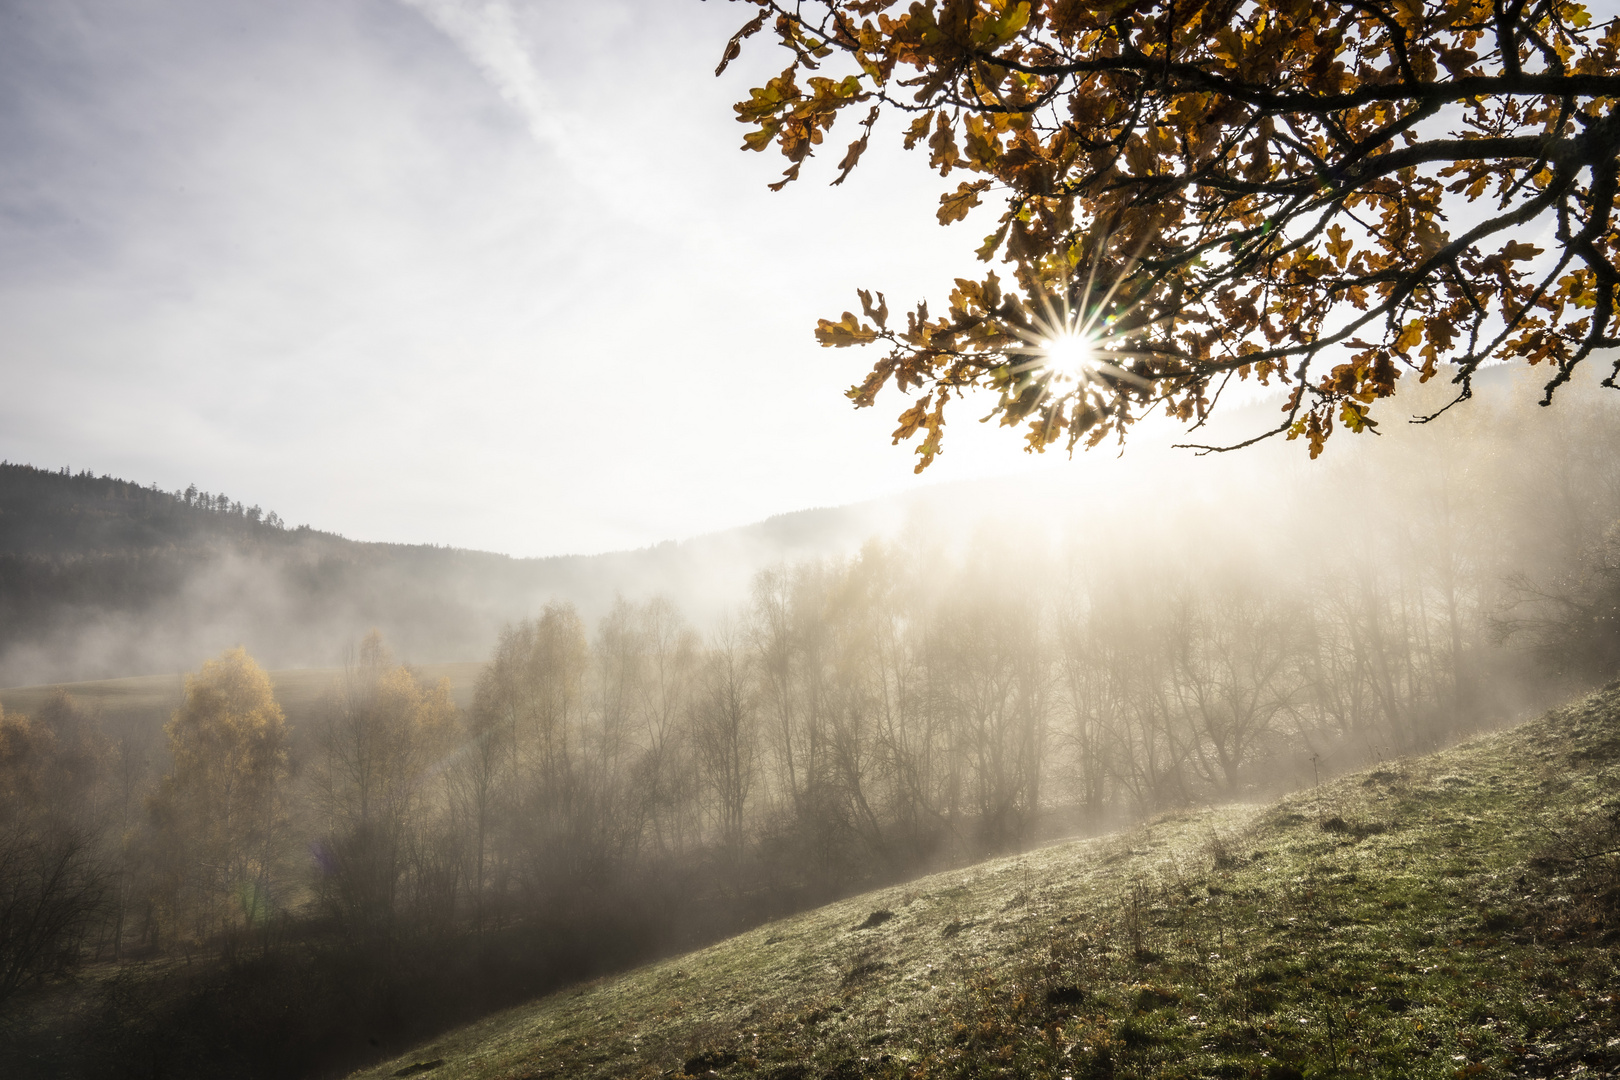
[(104, 578)]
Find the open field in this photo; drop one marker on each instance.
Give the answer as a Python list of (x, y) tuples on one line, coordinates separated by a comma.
[(1455, 915), (145, 702)]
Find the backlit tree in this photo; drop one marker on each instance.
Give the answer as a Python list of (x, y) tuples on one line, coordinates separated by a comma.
[(221, 808), (1325, 194)]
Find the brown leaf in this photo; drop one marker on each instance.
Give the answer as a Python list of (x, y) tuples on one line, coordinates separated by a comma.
[(856, 148), (954, 206)]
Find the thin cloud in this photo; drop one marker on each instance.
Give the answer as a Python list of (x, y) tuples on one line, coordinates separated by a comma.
[(489, 35)]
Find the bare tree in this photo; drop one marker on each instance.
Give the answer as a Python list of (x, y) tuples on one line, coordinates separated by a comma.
[(724, 730), (377, 784), (1230, 656), (997, 682), (663, 774), (1088, 700), (51, 880)]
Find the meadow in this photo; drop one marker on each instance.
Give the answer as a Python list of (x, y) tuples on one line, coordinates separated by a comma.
[(144, 703)]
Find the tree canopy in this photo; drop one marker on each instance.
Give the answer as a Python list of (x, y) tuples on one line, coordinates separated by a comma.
[(222, 806), (1323, 194)]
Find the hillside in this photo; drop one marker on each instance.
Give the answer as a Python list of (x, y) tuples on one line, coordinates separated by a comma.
[(1455, 915), (101, 578)]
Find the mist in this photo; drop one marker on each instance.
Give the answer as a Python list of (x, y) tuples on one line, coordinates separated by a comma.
[(516, 773)]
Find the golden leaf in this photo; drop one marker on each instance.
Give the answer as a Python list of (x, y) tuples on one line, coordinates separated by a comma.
[(954, 206), (1410, 336), (845, 332)]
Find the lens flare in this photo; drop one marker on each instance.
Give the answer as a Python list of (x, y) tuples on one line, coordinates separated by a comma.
[(1072, 338), (1068, 354)]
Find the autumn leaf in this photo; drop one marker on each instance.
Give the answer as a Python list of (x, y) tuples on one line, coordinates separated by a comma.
[(845, 332), (878, 314), (954, 206), (856, 148), (1410, 337), (734, 46), (1338, 246), (1355, 417), (1429, 237), (993, 31), (992, 243)]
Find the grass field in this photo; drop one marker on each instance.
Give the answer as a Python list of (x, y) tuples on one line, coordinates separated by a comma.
[(145, 702), (1453, 916)]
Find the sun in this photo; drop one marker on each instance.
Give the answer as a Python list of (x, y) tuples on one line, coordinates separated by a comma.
[(1074, 345), (1068, 354)]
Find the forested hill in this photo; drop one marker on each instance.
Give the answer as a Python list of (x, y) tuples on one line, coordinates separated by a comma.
[(101, 578), (61, 513)]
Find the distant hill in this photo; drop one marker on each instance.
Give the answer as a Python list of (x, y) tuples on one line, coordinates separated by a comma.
[(103, 578)]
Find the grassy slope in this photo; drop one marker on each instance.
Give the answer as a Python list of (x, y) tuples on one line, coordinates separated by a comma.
[(1422, 919)]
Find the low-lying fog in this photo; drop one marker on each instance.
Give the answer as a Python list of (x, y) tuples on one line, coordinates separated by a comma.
[(1526, 487), (647, 750)]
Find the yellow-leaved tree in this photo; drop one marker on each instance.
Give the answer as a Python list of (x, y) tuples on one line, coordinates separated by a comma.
[(221, 811)]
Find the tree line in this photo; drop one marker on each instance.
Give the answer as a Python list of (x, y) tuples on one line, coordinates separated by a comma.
[(58, 511)]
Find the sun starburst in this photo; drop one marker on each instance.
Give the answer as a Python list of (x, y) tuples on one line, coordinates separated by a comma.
[(1067, 354), (1071, 338)]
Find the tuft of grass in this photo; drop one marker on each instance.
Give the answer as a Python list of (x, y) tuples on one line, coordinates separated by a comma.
[(1455, 916)]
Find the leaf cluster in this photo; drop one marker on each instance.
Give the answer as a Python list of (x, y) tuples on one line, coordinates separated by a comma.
[(1329, 196)]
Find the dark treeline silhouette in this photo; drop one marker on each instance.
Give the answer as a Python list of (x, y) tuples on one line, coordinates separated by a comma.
[(102, 577), (227, 900), (62, 513)]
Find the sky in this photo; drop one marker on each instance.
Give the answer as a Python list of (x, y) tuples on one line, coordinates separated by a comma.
[(486, 273)]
